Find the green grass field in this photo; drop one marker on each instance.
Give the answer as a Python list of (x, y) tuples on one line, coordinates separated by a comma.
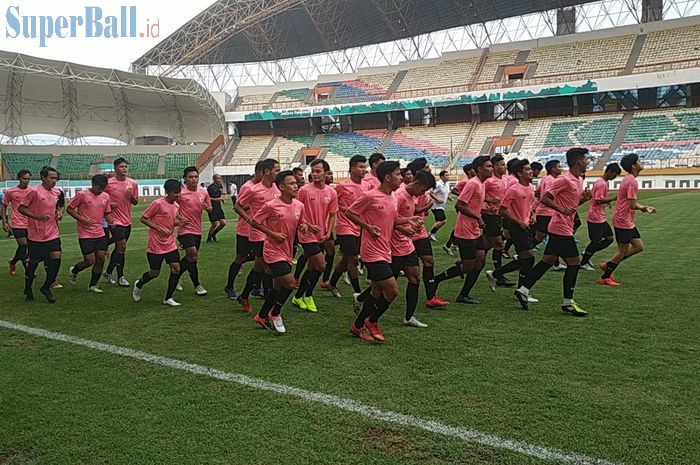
[(620, 385)]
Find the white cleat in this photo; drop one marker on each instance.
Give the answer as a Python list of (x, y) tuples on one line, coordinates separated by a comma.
[(123, 282), (492, 280), (72, 277), (136, 293), (530, 299), (448, 250), (110, 278), (346, 278), (95, 289), (432, 237), (587, 267), (356, 304), (335, 291), (278, 324), (199, 290), (415, 323), (559, 267), (179, 287), (171, 303)]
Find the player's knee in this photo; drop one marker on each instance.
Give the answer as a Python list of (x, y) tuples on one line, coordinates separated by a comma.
[(153, 273), (175, 268), (89, 260)]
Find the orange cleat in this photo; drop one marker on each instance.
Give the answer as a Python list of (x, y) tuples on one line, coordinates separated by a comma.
[(325, 285), (360, 332), (603, 267), (435, 302), (246, 305), (609, 282), (374, 330), (13, 268), (263, 323)]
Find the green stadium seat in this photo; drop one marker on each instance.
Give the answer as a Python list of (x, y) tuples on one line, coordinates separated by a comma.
[(142, 165), (34, 162), (175, 163), (77, 165)]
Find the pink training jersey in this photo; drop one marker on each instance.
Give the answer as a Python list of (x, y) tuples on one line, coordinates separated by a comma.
[(460, 185), (14, 197), (117, 191), (473, 195), (283, 218), (318, 205), (378, 209), (255, 197), (192, 203), (348, 192), (42, 201), (421, 201), (372, 181), (511, 180), (402, 245), (596, 213), (542, 209), (623, 218), (566, 190), (518, 201), (495, 189), (94, 208), (162, 213), (243, 227)]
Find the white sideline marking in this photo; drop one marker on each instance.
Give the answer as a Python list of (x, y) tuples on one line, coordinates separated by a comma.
[(348, 405)]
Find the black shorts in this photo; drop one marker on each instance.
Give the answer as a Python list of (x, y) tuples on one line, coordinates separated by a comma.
[(494, 225), (89, 246), (216, 215), (190, 240), (521, 238), (331, 238), (599, 231), (233, 201), (399, 263), (379, 271), (542, 224), (625, 236), (155, 260), (279, 269), (107, 232), (468, 247), (242, 246), (561, 246), (19, 233), (349, 245), (120, 233), (256, 249), (507, 224), (439, 215), (423, 247), (311, 249), (39, 251)]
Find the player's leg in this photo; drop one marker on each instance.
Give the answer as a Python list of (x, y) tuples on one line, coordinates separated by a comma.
[(412, 272), (155, 261), (52, 264), (549, 259), (569, 253), (316, 265), (36, 255), (472, 274), (100, 256), (173, 260)]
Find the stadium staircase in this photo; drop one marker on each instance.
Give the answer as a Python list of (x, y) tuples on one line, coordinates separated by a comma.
[(396, 82), (385, 143), (161, 165), (617, 140), (634, 54), (479, 68), (509, 130), (230, 150), (521, 59), (268, 149)]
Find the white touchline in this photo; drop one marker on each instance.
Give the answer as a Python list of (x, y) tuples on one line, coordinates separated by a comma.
[(348, 405)]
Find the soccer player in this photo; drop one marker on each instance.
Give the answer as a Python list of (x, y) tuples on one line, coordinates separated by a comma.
[(243, 252), (442, 194), (329, 247), (279, 219), (629, 241), (470, 173), (320, 207), (371, 177), (299, 176), (249, 202), (375, 212), (89, 207), (599, 231), (563, 195), (193, 200), (18, 222), (43, 208), (494, 188), (123, 193), (472, 250), (544, 213), (348, 233), (162, 218), (216, 216), (516, 207)]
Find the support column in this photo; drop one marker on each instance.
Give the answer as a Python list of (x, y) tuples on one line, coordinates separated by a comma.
[(566, 21), (652, 10)]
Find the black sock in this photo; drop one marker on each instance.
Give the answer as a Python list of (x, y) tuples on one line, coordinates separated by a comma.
[(570, 276), (451, 240), (112, 262), (53, 265), (433, 231), (335, 278), (303, 282), (469, 282), (363, 295), (507, 268), (368, 308), (411, 300), (266, 282), (381, 305), (77, 268), (526, 265), (173, 279), (119, 264), (184, 265), (20, 254), (253, 277), (313, 278), (282, 296), (194, 273), (94, 278), (497, 259), (233, 271), (428, 281), (329, 266), (449, 273), (536, 273), (270, 299), (609, 269), (594, 247), (509, 243), (301, 263), (29, 276), (355, 283), (145, 278)]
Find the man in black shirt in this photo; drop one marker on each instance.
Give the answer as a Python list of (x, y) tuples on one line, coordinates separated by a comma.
[(216, 217)]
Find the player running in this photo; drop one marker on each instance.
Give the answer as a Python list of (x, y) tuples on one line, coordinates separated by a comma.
[(216, 216), (371, 178), (494, 188), (18, 222), (599, 231)]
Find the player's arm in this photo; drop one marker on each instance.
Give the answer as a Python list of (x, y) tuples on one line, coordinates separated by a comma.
[(259, 223), (71, 210), (60, 206), (424, 208), (109, 219), (504, 212), (146, 219), (634, 205), (180, 221), (462, 207), (548, 200), (3, 215)]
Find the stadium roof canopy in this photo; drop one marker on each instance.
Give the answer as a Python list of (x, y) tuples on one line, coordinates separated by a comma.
[(246, 31), (75, 101)]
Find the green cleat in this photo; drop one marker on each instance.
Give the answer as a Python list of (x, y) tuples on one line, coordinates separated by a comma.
[(574, 309), (310, 304), (299, 303)]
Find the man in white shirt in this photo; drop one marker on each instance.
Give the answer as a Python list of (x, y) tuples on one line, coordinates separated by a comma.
[(441, 193), (233, 191)]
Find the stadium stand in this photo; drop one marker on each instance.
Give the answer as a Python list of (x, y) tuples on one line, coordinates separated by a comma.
[(14, 162), (447, 74), (669, 46), (77, 165), (250, 149), (292, 95), (175, 163), (493, 62), (141, 165), (365, 88), (482, 133)]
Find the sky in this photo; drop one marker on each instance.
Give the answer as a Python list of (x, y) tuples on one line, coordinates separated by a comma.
[(162, 16)]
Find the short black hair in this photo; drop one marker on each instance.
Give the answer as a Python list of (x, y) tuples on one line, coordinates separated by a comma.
[(404, 171), (574, 154), (467, 168), (279, 179), (510, 164), (259, 166), (425, 179), (496, 158), (119, 161), (172, 185), (23, 173), (613, 168), (319, 161), (550, 165), (188, 170), (296, 170), (357, 159), (46, 170), (99, 180), (535, 165), (269, 164), (442, 173), (387, 168), (375, 158), (418, 164), (520, 166), (480, 161), (629, 160)]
